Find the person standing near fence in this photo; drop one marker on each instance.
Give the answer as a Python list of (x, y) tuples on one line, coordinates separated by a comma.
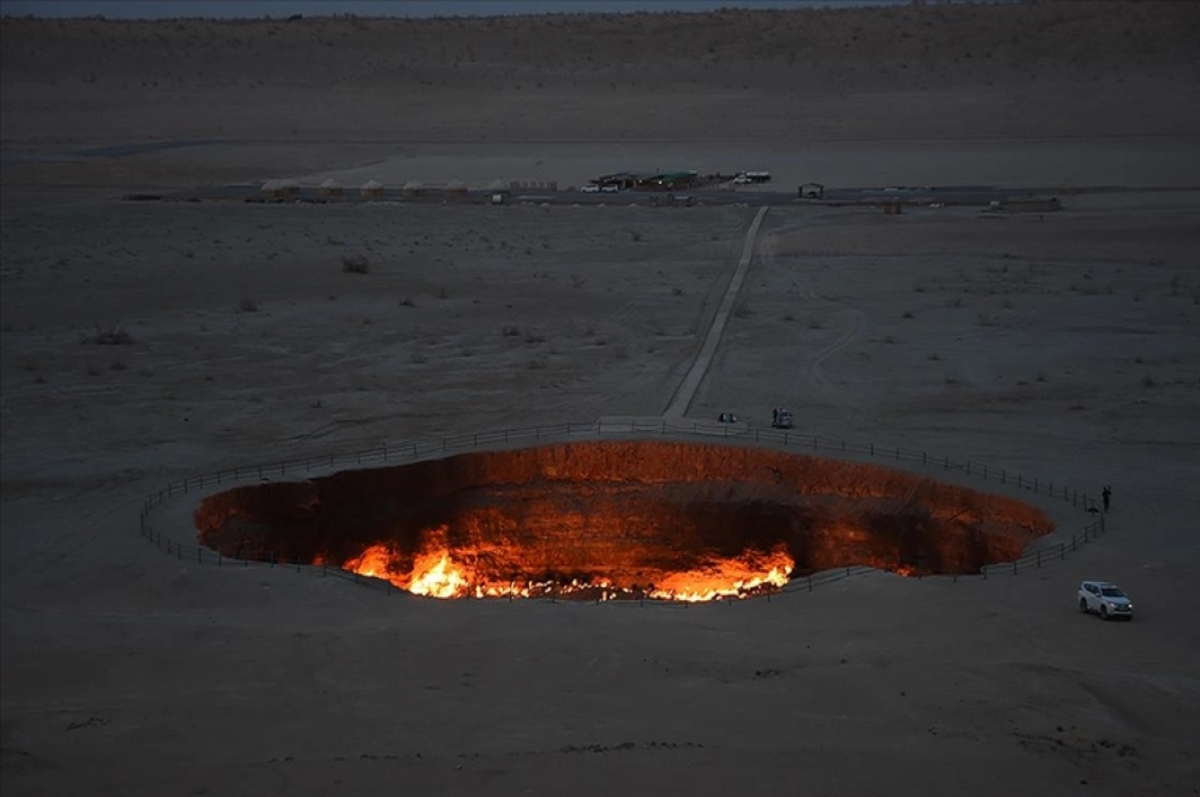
[(1106, 494)]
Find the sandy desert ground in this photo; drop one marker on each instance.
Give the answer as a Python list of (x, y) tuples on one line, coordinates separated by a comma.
[(1065, 345)]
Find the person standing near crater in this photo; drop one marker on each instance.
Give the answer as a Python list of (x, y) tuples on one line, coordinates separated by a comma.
[(1106, 494)]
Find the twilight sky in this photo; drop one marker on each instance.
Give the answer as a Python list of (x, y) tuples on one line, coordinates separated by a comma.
[(156, 9)]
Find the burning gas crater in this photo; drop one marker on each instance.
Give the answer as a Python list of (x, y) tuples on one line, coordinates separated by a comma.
[(618, 520)]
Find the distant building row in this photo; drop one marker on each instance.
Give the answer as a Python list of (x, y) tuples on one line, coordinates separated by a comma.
[(282, 189)]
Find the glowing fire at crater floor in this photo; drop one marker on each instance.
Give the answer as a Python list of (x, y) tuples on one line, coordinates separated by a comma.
[(618, 520)]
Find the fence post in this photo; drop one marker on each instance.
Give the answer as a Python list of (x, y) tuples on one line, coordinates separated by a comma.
[(810, 583)]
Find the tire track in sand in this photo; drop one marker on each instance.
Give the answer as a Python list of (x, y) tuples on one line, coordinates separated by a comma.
[(812, 377)]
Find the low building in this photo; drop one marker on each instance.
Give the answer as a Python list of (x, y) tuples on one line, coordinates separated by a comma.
[(330, 188), (372, 189), (812, 191), (414, 188)]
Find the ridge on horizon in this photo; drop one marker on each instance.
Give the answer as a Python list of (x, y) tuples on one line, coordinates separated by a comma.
[(414, 9)]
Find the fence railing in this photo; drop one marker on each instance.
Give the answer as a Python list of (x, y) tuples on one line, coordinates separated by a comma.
[(412, 451)]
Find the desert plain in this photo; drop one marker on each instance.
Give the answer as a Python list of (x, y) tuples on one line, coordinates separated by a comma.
[(1062, 344)]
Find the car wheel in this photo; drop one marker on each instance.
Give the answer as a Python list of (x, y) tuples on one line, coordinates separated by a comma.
[(1083, 605), (1103, 612)]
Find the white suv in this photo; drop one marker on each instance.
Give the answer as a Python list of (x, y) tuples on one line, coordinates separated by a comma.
[(1105, 599)]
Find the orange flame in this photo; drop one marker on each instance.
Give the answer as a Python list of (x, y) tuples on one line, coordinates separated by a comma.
[(436, 574)]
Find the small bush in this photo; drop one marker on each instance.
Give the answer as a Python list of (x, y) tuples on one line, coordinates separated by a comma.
[(1148, 380), (907, 314), (407, 302), (111, 335), (247, 306), (510, 331), (355, 264)]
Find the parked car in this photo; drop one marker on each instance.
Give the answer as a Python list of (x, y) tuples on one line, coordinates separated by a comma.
[(1105, 599), (590, 188), (610, 188)]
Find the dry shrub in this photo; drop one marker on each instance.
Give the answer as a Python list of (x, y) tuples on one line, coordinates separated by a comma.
[(355, 264), (112, 335)]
